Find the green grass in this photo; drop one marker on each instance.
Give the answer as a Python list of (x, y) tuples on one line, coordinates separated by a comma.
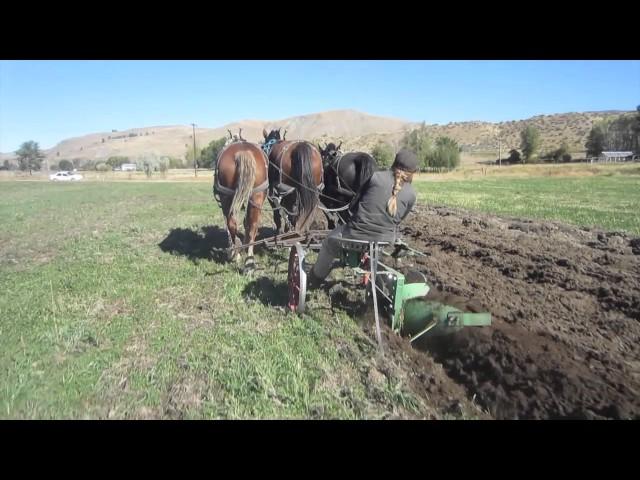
[(608, 202), (97, 321)]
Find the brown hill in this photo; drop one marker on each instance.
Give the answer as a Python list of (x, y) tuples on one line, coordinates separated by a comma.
[(359, 131)]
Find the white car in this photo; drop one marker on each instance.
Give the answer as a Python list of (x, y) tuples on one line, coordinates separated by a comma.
[(65, 177)]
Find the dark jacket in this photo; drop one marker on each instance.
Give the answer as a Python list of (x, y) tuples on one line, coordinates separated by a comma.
[(370, 220)]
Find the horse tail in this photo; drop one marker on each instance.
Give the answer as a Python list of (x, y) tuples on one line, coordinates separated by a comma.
[(301, 171), (367, 169), (246, 170)]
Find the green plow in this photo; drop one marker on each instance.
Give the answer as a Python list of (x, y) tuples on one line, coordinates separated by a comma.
[(402, 297)]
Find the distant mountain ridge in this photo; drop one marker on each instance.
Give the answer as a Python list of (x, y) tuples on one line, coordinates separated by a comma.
[(358, 131)]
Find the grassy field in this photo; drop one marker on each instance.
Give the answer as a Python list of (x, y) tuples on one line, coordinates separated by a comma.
[(111, 305), (609, 202)]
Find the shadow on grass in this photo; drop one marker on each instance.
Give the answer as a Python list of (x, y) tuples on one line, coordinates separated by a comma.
[(275, 294), (206, 243), (268, 292)]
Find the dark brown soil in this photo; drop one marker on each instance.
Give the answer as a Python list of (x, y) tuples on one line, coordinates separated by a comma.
[(565, 338)]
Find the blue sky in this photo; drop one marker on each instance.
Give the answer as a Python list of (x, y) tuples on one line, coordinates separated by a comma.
[(48, 101)]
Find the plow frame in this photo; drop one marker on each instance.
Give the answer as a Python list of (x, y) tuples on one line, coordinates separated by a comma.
[(386, 286)]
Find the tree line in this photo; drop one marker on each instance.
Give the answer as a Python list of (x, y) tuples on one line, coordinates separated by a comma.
[(442, 153), (620, 134)]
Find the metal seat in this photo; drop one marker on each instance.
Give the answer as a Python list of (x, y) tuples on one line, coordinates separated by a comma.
[(351, 244)]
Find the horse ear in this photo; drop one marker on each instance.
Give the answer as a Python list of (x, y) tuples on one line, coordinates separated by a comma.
[(338, 147), (320, 148), (264, 133), (284, 136)]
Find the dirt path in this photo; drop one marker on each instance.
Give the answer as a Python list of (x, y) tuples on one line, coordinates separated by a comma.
[(565, 339)]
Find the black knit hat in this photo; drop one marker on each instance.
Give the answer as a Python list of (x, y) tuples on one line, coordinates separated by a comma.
[(406, 160)]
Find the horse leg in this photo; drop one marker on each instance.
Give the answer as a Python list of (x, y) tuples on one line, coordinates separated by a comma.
[(289, 204), (251, 222), (232, 229), (277, 217)]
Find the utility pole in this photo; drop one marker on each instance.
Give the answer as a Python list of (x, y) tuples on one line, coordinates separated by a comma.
[(499, 152), (195, 165)]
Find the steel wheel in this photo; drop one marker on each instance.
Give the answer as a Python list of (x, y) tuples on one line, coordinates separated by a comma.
[(296, 279)]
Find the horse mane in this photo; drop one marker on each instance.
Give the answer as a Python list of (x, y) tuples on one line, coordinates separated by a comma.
[(367, 168)]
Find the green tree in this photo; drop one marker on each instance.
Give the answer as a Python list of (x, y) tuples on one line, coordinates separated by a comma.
[(446, 153), (419, 141), (188, 156), (30, 156), (530, 142), (596, 140), (636, 130), (116, 161), (209, 154), (175, 163), (559, 154), (65, 165), (621, 135), (514, 157), (383, 154)]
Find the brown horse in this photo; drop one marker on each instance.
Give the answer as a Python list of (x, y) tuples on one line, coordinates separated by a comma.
[(295, 180), (241, 180)]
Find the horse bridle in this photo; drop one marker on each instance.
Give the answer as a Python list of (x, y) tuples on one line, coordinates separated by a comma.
[(267, 146), (334, 164)]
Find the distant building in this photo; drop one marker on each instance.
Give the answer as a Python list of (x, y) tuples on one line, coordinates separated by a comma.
[(613, 157), (129, 167)]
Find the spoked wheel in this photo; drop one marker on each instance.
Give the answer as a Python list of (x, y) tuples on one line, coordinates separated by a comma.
[(296, 279)]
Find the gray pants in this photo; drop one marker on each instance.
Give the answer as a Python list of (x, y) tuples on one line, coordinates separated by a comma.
[(328, 253), (331, 247)]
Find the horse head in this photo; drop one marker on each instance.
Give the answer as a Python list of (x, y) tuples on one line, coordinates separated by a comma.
[(330, 152), (273, 135)]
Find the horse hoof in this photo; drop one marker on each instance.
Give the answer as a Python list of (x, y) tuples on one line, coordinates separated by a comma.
[(249, 265)]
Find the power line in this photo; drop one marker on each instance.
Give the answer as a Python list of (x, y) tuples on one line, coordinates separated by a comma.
[(195, 165)]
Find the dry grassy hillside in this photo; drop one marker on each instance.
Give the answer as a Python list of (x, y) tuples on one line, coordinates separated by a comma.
[(482, 137), (173, 141), (358, 131)]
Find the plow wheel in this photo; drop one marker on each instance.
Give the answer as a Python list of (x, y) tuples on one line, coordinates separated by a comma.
[(296, 279)]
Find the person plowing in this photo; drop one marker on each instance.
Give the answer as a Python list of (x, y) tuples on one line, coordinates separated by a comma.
[(377, 211)]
